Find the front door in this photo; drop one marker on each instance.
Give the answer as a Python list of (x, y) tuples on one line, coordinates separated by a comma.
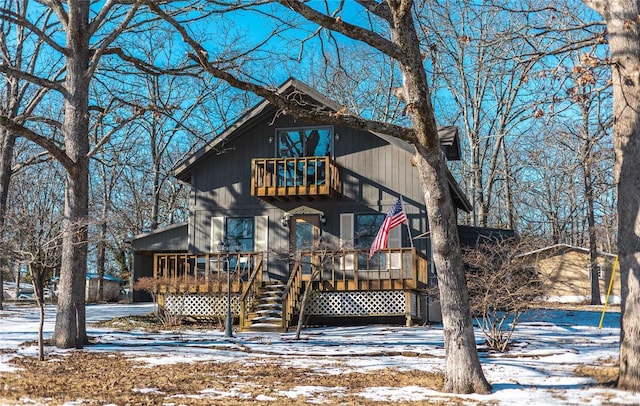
[(304, 236)]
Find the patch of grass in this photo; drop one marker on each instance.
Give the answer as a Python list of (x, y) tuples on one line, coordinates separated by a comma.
[(155, 321), (128, 323), (605, 373), (112, 378)]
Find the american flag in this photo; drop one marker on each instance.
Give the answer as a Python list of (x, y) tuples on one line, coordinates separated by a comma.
[(395, 217)]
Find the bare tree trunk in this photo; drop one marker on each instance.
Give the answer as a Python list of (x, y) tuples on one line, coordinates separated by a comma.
[(7, 145), (479, 214), (41, 330), (155, 160), (624, 43), (18, 279), (37, 280), (70, 329), (102, 248), (305, 297), (463, 370), (508, 196), (591, 230)]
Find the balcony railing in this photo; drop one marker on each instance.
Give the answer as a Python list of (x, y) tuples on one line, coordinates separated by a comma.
[(291, 178)]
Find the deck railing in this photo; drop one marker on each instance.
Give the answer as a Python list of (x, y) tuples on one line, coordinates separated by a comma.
[(250, 291), (288, 178), (204, 273), (291, 295), (348, 270), (344, 270)]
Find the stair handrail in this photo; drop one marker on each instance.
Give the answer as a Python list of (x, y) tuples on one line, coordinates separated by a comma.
[(252, 286), (290, 295)]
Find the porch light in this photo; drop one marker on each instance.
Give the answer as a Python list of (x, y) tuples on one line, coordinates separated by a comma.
[(323, 219), (285, 220), (337, 137), (223, 249), (271, 139)]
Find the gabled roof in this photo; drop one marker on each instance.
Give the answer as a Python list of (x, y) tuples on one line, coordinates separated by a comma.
[(470, 236), (449, 138), (551, 249), (170, 238), (106, 277)]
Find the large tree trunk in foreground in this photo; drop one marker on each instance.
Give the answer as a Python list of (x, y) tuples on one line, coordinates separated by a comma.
[(624, 42), (70, 329), (463, 370)]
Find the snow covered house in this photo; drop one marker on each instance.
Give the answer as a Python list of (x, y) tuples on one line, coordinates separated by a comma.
[(288, 198)]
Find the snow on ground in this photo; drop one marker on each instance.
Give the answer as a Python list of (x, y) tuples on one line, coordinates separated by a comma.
[(539, 370)]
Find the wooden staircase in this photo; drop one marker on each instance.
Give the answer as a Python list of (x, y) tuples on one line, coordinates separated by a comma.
[(268, 312)]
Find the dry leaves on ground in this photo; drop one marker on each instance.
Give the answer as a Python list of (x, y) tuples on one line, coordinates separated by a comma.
[(103, 378)]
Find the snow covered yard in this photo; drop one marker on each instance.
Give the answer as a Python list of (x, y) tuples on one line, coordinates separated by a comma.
[(334, 365)]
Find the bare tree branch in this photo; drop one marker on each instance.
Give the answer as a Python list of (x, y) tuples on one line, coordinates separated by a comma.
[(338, 25), (45, 143)]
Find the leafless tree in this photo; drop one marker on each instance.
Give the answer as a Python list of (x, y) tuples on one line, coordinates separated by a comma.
[(624, 44), (591, 97), (34, 225), (490, 68), (20, 49), (501, 287), (76, 36)]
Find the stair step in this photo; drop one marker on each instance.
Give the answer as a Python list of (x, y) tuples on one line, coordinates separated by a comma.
[(266, 327), (270, 299), (266, 319), (275, 285), (275, 290), (267, 314), (265, 306)]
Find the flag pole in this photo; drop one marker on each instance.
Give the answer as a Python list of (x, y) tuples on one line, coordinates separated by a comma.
[(408, 227)]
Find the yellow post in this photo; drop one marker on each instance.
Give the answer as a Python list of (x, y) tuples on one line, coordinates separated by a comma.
[(606, 300)]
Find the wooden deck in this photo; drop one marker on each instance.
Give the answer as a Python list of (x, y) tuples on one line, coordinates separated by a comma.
[(391, 270)]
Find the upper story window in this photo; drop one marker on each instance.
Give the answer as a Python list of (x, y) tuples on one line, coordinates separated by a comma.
[(302, 142)]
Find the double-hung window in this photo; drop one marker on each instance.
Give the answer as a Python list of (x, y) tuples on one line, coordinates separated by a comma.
[(365, 230), (239, 233)]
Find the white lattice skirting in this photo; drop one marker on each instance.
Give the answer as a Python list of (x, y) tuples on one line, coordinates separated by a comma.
[(373, 303), (201, 305)]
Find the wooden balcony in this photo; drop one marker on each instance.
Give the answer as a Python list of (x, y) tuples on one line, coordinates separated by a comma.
[(295, 178)]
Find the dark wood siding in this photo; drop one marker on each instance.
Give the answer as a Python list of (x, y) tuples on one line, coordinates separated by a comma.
[(172, 238), (374, 174)]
